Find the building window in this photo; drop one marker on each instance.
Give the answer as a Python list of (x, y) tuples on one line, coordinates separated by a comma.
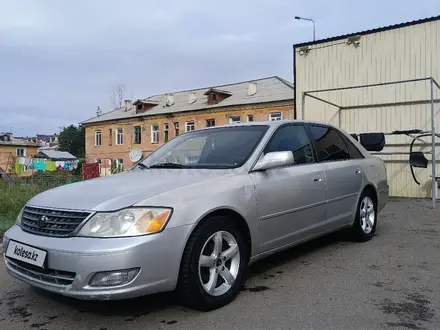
[(176, 128), (250, 117), (210, 122), (97, 138), (137, 135), (119, 165), (275, 116), (21, 152), (99, 165), (154, 133), (165, 132), (234, 119), (189, 126), (119, 136), (110, 134)]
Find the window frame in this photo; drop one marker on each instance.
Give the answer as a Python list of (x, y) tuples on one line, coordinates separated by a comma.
[(273, 134), (176, 125), (121, 134), (210, 120), (352, 147), (318, 159), (119, 165), (234, 121), (98, 132), (275, 113), (24, 152), (154, 133), (166, 132), (249, 117), (137, 135), (188, 124), (99, 162)]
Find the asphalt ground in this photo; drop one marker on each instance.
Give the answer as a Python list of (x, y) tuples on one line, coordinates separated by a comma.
[(390, 282)]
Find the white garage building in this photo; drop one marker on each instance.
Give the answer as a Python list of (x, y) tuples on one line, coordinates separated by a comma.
[(389, 56)]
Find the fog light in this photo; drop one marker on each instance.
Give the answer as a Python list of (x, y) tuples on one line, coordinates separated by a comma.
[(113, 278)]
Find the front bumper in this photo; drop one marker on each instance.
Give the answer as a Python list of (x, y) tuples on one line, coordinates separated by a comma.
[(71, 263)]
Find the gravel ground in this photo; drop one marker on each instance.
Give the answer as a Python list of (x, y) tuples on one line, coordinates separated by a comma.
[(390, 282)]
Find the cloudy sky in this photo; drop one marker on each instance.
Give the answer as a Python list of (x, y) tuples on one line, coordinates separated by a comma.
[(60, 59)]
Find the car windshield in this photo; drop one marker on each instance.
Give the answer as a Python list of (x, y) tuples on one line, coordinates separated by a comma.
[(220, 147)]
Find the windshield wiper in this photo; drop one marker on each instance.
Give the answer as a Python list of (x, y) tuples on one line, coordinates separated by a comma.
[(142, 166), (169, 165)]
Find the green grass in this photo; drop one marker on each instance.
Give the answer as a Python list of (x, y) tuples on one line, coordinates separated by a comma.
[(12, 199)]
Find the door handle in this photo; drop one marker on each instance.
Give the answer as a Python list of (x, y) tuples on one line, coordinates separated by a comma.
[(357, 171), (317, 179)]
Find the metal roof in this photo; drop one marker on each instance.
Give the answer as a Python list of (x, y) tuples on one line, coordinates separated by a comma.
[(19, 143), (376, 30), (52, 154), (271, 89)]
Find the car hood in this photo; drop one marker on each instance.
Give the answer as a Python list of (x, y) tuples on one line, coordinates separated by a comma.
[(121, 190)]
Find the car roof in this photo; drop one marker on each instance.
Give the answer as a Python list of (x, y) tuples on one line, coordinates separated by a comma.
[(271, 123)]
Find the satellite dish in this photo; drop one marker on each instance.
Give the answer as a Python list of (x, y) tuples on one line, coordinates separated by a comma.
[(135, 155)]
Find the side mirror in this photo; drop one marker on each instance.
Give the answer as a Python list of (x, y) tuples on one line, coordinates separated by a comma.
[(372, 141), (274, 159), (418, 159)]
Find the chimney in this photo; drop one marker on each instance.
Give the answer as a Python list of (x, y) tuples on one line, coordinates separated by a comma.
[(170, 100), (252, 89), (192, 98), (127, 104)]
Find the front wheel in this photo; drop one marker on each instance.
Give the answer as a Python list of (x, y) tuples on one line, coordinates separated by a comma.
[(213, 264), (365, 222)]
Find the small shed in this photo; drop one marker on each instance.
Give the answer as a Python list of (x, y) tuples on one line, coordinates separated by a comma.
[(52, 160)]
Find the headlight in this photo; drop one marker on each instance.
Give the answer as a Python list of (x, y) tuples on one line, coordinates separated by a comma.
[(18, 220), (127, 222)]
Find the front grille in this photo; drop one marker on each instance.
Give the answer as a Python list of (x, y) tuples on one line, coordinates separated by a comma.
[(53, 223), (49, 276)]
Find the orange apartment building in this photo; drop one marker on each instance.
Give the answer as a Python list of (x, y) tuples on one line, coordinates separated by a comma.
[(146, 124), (11, 148)]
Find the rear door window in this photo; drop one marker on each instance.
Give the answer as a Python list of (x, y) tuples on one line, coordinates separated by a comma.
[(329, 144)]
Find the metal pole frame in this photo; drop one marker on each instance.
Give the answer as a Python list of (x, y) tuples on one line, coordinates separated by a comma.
[(303, 105), (431, 101), (433, 162)]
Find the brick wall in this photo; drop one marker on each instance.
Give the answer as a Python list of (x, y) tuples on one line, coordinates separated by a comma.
[(7, 151), (110, 150)]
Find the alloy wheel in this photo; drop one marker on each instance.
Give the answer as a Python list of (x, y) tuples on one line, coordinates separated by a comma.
[(219, 263), (367, 215)]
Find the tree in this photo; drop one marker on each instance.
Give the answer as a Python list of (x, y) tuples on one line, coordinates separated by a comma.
[(72, 139), (118, 95)]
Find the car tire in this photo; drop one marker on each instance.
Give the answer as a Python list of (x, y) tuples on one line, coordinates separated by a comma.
[(365, 221), (199, 275)]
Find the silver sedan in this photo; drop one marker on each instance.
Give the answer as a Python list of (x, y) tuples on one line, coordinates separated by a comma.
[(193, 215)]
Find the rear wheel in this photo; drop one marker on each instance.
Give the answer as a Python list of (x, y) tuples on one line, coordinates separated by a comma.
[(365, 222), (213, 265)]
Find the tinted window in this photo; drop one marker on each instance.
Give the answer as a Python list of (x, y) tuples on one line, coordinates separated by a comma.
[(354, 151), (292, 138), (329, 144)]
